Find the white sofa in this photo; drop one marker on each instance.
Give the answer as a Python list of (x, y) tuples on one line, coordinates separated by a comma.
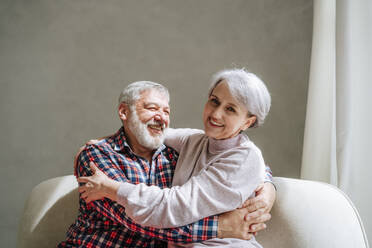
[(306, 214)]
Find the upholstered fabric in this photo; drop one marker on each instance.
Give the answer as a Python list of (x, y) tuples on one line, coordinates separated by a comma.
[(310, 214), (50, 209), (307, 214)]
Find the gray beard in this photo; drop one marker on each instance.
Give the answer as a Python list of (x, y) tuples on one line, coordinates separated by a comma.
[(142, 134)]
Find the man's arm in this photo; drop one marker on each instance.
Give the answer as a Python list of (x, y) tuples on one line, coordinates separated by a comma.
[(201, 230)]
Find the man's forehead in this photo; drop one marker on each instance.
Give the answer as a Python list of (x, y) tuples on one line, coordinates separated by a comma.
[(154, 96)]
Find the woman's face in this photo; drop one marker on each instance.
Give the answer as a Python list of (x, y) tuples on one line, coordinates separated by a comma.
[(224, 117)]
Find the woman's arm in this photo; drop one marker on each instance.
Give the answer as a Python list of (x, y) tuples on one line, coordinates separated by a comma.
[(220, 188), (176, 137)]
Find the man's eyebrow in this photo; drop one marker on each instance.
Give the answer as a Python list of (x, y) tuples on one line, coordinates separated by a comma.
[(146, 104), (151, 103)]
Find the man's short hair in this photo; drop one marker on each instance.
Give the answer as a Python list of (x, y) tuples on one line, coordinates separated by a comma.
[(133, 91)]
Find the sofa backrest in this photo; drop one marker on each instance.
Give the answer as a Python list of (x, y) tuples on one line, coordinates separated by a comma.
[(50, 209), (310, 214), (306, 214)]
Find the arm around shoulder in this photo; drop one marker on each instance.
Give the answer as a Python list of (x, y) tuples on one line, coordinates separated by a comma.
[(176, 137), (217, 189)]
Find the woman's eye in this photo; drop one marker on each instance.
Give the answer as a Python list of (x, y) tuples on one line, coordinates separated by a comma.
[(214, 101), (231, 109)]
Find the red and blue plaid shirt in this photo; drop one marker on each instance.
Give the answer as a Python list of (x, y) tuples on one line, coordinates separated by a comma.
[(103, 223)]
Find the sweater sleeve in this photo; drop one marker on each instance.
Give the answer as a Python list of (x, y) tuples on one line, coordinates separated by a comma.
[(176, 137), (115, 212), (221, 187)]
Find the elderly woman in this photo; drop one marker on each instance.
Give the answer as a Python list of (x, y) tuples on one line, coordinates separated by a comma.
[(217, 170)]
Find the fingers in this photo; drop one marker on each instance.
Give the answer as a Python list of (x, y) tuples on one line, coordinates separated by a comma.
[(256, 205), (252, 201), (254, 215), (85, 194), (254, 228), (82, 189), (88, 197), (261, 219), (86, 187), (83, 179)]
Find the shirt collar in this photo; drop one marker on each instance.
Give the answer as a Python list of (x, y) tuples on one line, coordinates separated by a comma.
[(120, 143)]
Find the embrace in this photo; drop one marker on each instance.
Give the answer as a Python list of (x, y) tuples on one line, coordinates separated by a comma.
[(152, 186)]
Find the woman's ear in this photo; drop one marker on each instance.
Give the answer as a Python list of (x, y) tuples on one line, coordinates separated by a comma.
[(123, 111), (250, 121)]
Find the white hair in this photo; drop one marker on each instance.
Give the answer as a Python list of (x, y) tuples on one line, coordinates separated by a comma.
[(248, 89), (133, 91), (143, 136)]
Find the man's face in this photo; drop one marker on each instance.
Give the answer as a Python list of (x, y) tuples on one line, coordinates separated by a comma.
[(149, 118)]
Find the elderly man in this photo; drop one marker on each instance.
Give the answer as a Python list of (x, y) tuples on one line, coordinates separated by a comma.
[(136, 154)]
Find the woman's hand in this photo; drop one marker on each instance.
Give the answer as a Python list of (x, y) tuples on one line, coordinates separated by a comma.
[(97, 186)]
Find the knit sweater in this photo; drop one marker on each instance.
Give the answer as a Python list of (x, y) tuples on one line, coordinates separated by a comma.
[(212, 177)]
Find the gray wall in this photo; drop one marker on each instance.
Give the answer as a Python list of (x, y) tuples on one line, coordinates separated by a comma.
[(63, 64)]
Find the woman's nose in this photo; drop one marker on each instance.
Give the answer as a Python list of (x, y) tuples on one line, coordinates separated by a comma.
[(217, 113)]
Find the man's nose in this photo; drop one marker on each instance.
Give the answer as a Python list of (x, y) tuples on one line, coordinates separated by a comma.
[(158, 117), (161, 117)]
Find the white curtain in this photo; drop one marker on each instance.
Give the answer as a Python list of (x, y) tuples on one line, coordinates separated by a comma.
[(338, 129)]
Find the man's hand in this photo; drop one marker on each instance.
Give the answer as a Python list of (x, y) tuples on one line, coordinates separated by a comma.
[(233, 224), (260, 205)]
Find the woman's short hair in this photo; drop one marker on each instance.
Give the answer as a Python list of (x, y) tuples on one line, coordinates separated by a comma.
[(248, 89), (133, 91)]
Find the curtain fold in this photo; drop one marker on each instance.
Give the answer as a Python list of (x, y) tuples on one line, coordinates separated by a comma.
[(318, 158), (338, 128)]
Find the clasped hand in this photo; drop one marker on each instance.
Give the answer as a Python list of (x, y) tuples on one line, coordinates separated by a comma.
[(246, 221)]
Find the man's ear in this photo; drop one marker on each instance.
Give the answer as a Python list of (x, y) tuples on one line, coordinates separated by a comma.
[(123, 111), (250, 121)]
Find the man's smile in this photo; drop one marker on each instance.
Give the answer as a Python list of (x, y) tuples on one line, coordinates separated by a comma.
[(156, 128)]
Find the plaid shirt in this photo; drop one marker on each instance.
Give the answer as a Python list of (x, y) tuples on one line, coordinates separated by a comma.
[(103, 223)]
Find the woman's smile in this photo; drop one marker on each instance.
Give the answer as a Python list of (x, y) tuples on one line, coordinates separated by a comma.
[(214, 123), (224, 117)]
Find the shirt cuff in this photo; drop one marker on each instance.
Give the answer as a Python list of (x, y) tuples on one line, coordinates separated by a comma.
[(206, 228)]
